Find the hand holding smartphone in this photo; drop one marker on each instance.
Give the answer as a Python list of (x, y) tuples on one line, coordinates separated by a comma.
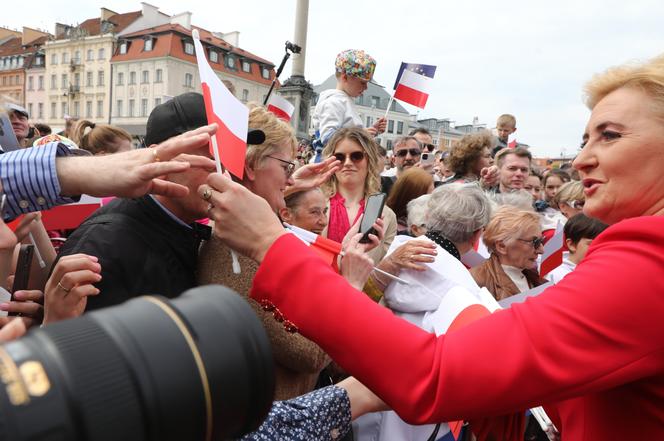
[(373, 209)]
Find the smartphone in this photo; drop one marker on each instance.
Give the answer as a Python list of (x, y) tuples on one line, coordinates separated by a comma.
[(23, 264), (427, 158), (373, 209)]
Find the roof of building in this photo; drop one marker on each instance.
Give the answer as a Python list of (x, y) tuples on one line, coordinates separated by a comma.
[(169, 42), (364, 100), (14, 46), (120, 21)]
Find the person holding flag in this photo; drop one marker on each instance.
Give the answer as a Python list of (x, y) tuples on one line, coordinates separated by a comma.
[(335, 109)]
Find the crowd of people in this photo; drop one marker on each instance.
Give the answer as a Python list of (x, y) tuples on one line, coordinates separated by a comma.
[(367, 348)]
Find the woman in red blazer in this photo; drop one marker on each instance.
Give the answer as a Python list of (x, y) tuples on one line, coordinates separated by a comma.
[(591, 347)]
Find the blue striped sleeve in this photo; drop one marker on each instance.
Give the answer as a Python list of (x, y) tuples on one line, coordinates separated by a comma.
[(29, 179)]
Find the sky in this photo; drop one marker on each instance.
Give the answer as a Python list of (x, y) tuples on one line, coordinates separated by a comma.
[(525, 57)]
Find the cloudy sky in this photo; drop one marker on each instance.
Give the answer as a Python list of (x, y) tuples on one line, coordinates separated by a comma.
[(529, 58)]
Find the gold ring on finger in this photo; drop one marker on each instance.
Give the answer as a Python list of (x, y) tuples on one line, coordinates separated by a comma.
[(63, 288), (207, 193)]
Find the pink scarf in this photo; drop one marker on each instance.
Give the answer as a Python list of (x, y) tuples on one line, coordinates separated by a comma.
[(339, 222)]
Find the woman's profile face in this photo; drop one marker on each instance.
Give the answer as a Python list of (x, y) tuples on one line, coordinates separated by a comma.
[(622, 161), (522, 253)]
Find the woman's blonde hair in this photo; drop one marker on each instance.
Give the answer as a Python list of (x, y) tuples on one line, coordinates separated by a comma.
[(362, 138), (101, 138), (646, 76), (506, 225), (277, 133), (569, 191)]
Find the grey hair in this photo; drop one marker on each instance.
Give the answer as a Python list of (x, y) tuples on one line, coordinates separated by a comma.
[(417, 211), (456, 211), (520, 199), (403, 140)]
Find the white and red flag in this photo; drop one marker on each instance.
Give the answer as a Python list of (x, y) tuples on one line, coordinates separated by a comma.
[(326, 248), (229, 144), (70, 216), (413, 84), (281, 107), (552, 257)]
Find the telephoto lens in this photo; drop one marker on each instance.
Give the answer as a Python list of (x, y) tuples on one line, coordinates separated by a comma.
[(198, 367)]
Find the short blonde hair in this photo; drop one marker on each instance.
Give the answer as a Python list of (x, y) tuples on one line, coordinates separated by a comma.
[(646, 76), (277, 133), (569, 191), (466, 151), (506, 225), (361, 137), (506, 120)]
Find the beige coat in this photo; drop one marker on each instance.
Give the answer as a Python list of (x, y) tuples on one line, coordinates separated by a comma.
[(298, 361)]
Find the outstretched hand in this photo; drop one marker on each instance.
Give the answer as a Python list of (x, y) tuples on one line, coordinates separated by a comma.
[(313, 175)]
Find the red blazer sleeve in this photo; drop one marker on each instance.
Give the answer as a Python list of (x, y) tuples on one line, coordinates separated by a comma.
[(598, 328)]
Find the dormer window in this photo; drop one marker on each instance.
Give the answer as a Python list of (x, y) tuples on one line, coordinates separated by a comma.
[(123, 47), (230, 61), (246, 66), (265, 72), (188, 48), (148, 44), (214, 56)]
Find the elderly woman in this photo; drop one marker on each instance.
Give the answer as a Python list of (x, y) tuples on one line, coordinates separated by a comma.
[(470, 155), (306, 209), (348, 189), (514, 239), (413, 183), (586, 347)]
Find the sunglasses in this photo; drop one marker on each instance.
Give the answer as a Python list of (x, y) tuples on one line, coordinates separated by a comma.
[(290, 166), (535, 242), (429, 147), (354, 156), (404, 152), (577, 205)]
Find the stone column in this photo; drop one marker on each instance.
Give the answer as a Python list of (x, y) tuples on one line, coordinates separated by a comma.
[(300, 38)]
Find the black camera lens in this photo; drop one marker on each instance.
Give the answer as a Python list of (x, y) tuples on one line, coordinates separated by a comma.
[(198, 367)]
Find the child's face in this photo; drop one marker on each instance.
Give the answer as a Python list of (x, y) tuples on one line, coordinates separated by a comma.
[(505, 130), (353, 86), (580, 249)]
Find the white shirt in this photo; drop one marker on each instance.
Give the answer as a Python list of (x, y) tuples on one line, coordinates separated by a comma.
[(564, 269), (335, 110), (517, 277)]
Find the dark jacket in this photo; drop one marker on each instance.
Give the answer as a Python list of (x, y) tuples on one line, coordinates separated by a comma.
[(141, 250)]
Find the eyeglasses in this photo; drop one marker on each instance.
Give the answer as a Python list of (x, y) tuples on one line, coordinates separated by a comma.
[(577, 205), (289, 169), (536, 242), (429, 147), (354, 156), (402, 153)]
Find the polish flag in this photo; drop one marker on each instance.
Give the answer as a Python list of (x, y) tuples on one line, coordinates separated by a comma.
[(414, 88), (512, 144), (326, 248), (70, 216), (229, 144), (552, 257), (281, 107)]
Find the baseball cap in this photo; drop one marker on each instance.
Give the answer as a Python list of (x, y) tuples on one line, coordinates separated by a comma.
[(183, 113), (356, 63), (11, 107)]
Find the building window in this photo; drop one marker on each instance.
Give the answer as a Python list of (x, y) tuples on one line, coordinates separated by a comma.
[(246, 66), (389, 144), (64, 108), (30, 85), (30, 109), (158, 76), (144, 107), (39, 61), (100, 78), (77, 109), (390, 126), (88, 109), (18, 80), (123, 47), (40, 82), (147, 46), (100, 108), (65, 57), (40, 111), (77, 58), (101, 54), (54, 82), (120, 79), (188, 48), (157, 102), (399, 127), (230, 61), (375, 101), (145, 77), (265, 72), (369, 121), (214, 56), (65, 81), (77, 79), (130, 110), (88, 79), (132, 78), (54, 59), (54, 111), (245, 95), (90, 55), (118, 108), (188, 80)]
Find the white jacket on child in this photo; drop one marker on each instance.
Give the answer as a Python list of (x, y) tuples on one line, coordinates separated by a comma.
[(334, 110)]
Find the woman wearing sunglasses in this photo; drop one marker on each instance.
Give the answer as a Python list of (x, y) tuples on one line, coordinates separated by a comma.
[(514, 238), (348, 188)]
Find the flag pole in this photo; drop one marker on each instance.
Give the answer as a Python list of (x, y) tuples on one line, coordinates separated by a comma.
[(389, 104), (215, 149)]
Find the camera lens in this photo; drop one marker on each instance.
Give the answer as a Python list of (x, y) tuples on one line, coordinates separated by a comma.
[(198, 367)]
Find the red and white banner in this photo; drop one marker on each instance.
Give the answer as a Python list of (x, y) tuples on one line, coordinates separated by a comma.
[(552, 257), (326, 248), (281, 107), (228, 112), (413, 88), (70, 216)]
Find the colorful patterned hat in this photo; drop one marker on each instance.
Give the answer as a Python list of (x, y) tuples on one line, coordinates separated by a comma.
[(356, 63)]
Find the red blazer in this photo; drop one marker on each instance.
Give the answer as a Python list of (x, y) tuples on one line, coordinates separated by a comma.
[(592, 345)]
